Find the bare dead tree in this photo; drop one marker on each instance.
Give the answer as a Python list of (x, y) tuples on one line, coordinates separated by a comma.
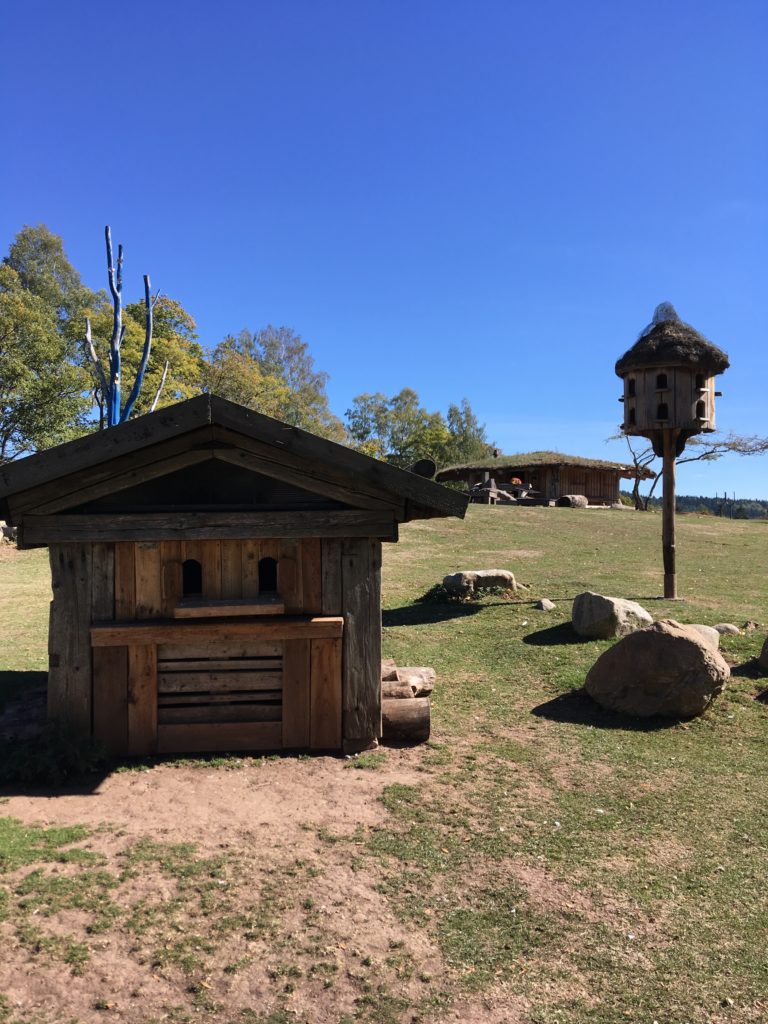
[(107, 393)]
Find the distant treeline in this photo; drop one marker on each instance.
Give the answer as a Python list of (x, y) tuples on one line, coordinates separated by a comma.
[(739, 508)]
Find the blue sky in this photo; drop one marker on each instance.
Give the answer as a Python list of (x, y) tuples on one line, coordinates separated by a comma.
[(479, 199)]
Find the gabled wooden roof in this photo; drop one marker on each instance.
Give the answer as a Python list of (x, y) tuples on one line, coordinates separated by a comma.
[(70, 476)]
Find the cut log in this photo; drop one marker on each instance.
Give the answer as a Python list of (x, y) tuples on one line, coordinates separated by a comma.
[(405, 721), (395, 691), (421, 680), (388, 670)]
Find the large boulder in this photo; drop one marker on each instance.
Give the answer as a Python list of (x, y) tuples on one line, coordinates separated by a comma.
[(762, 660), (467, 583), (665, 669), (601, 618)]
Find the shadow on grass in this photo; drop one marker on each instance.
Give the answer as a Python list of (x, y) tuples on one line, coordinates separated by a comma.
[(13, 685), (578, 708), (554, 635), (749, 670), (428, 612)]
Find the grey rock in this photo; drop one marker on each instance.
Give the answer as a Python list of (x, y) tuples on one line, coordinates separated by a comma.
[(709, 633), (665, 669), (572, 501), (727, 629), (468, 582), (600, 618), (545, 605)]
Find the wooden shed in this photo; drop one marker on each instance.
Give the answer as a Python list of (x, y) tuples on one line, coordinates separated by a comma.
[(549, 474), (216, 579)]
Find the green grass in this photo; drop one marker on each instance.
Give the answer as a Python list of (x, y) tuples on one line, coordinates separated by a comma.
[(599, 869)]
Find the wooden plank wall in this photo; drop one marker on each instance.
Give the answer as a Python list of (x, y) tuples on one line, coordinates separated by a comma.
[(148, 575), (69, 646), (354, 582)]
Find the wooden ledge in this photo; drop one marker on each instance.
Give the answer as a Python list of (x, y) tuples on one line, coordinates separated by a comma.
[(170, 631), (203, 608)]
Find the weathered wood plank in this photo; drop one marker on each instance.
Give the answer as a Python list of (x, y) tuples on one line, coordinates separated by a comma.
[(149, 583), (181, 682), (242, 648), (289, 576), (170, 575), (158, 526), (312, 576), (103, 582), (110, 698), (250, 554), (69, 654), (325, 699), (142, 700), (332, 601), (203, 608), (229, 665), (214, 713), (254, 695), (163, 631), (223, 736), (296, 694), (125, 580), (361, 687), (231, 570)]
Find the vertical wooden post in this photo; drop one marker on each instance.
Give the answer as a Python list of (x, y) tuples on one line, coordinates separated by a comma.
[(668, 515)]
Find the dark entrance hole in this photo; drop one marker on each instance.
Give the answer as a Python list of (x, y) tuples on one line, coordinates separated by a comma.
[(267, 576), (192, 578)]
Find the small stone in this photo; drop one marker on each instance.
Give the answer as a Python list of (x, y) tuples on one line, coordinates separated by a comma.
[(750, 626), (727, 629), (710, 635), (545, 605), (469, 581)]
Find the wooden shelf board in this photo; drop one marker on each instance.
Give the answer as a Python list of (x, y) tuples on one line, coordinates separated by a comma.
[(205, 608)]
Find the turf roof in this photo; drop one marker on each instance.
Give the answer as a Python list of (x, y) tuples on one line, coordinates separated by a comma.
[(670, 341)]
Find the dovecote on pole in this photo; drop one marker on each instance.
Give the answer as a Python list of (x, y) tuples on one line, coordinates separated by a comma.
[(669, 396)]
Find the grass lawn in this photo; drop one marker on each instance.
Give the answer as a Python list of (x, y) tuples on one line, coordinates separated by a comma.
[(547, 862)]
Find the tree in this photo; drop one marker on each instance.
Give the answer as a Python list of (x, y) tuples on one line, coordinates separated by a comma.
[(400, 430), (272, 372), (701, 448), (41, 391)]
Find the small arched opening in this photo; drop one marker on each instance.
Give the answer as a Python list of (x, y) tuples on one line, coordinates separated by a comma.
[(631, 387), (661, 380), (632, 418), (267, 576), (701, 381), (701, 410), (662, 411), (192, 578)]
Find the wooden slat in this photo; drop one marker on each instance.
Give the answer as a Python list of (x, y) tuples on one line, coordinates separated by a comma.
[(103, 582), (215, 713), (204, 525), (178, 682), (205, 697), (231, 570), (161, 631), (125, 580), (289, 576), (171, 574), (69, 655), (110, 698), (296, 694), (204, 608), (250, 554), (217, 664), (331, 577), (312, 576), (199, 739), (242, 648), (325, 700), (149, 587), (142, 700), (361, 687)]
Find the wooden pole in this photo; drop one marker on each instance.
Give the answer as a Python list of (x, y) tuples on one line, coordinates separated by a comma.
[(668, 515)]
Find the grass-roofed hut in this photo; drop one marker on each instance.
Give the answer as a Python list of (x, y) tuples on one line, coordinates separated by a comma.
[(216, 579), (550, 474)]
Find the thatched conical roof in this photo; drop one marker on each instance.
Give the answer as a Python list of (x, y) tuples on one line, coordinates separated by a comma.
[(668, 341)]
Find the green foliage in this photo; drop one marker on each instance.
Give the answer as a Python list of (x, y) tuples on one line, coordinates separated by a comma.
[(41, 392), (400, 430), (272, 372)]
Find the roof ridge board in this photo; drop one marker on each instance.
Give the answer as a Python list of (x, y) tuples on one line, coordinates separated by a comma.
[(99, 446)]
